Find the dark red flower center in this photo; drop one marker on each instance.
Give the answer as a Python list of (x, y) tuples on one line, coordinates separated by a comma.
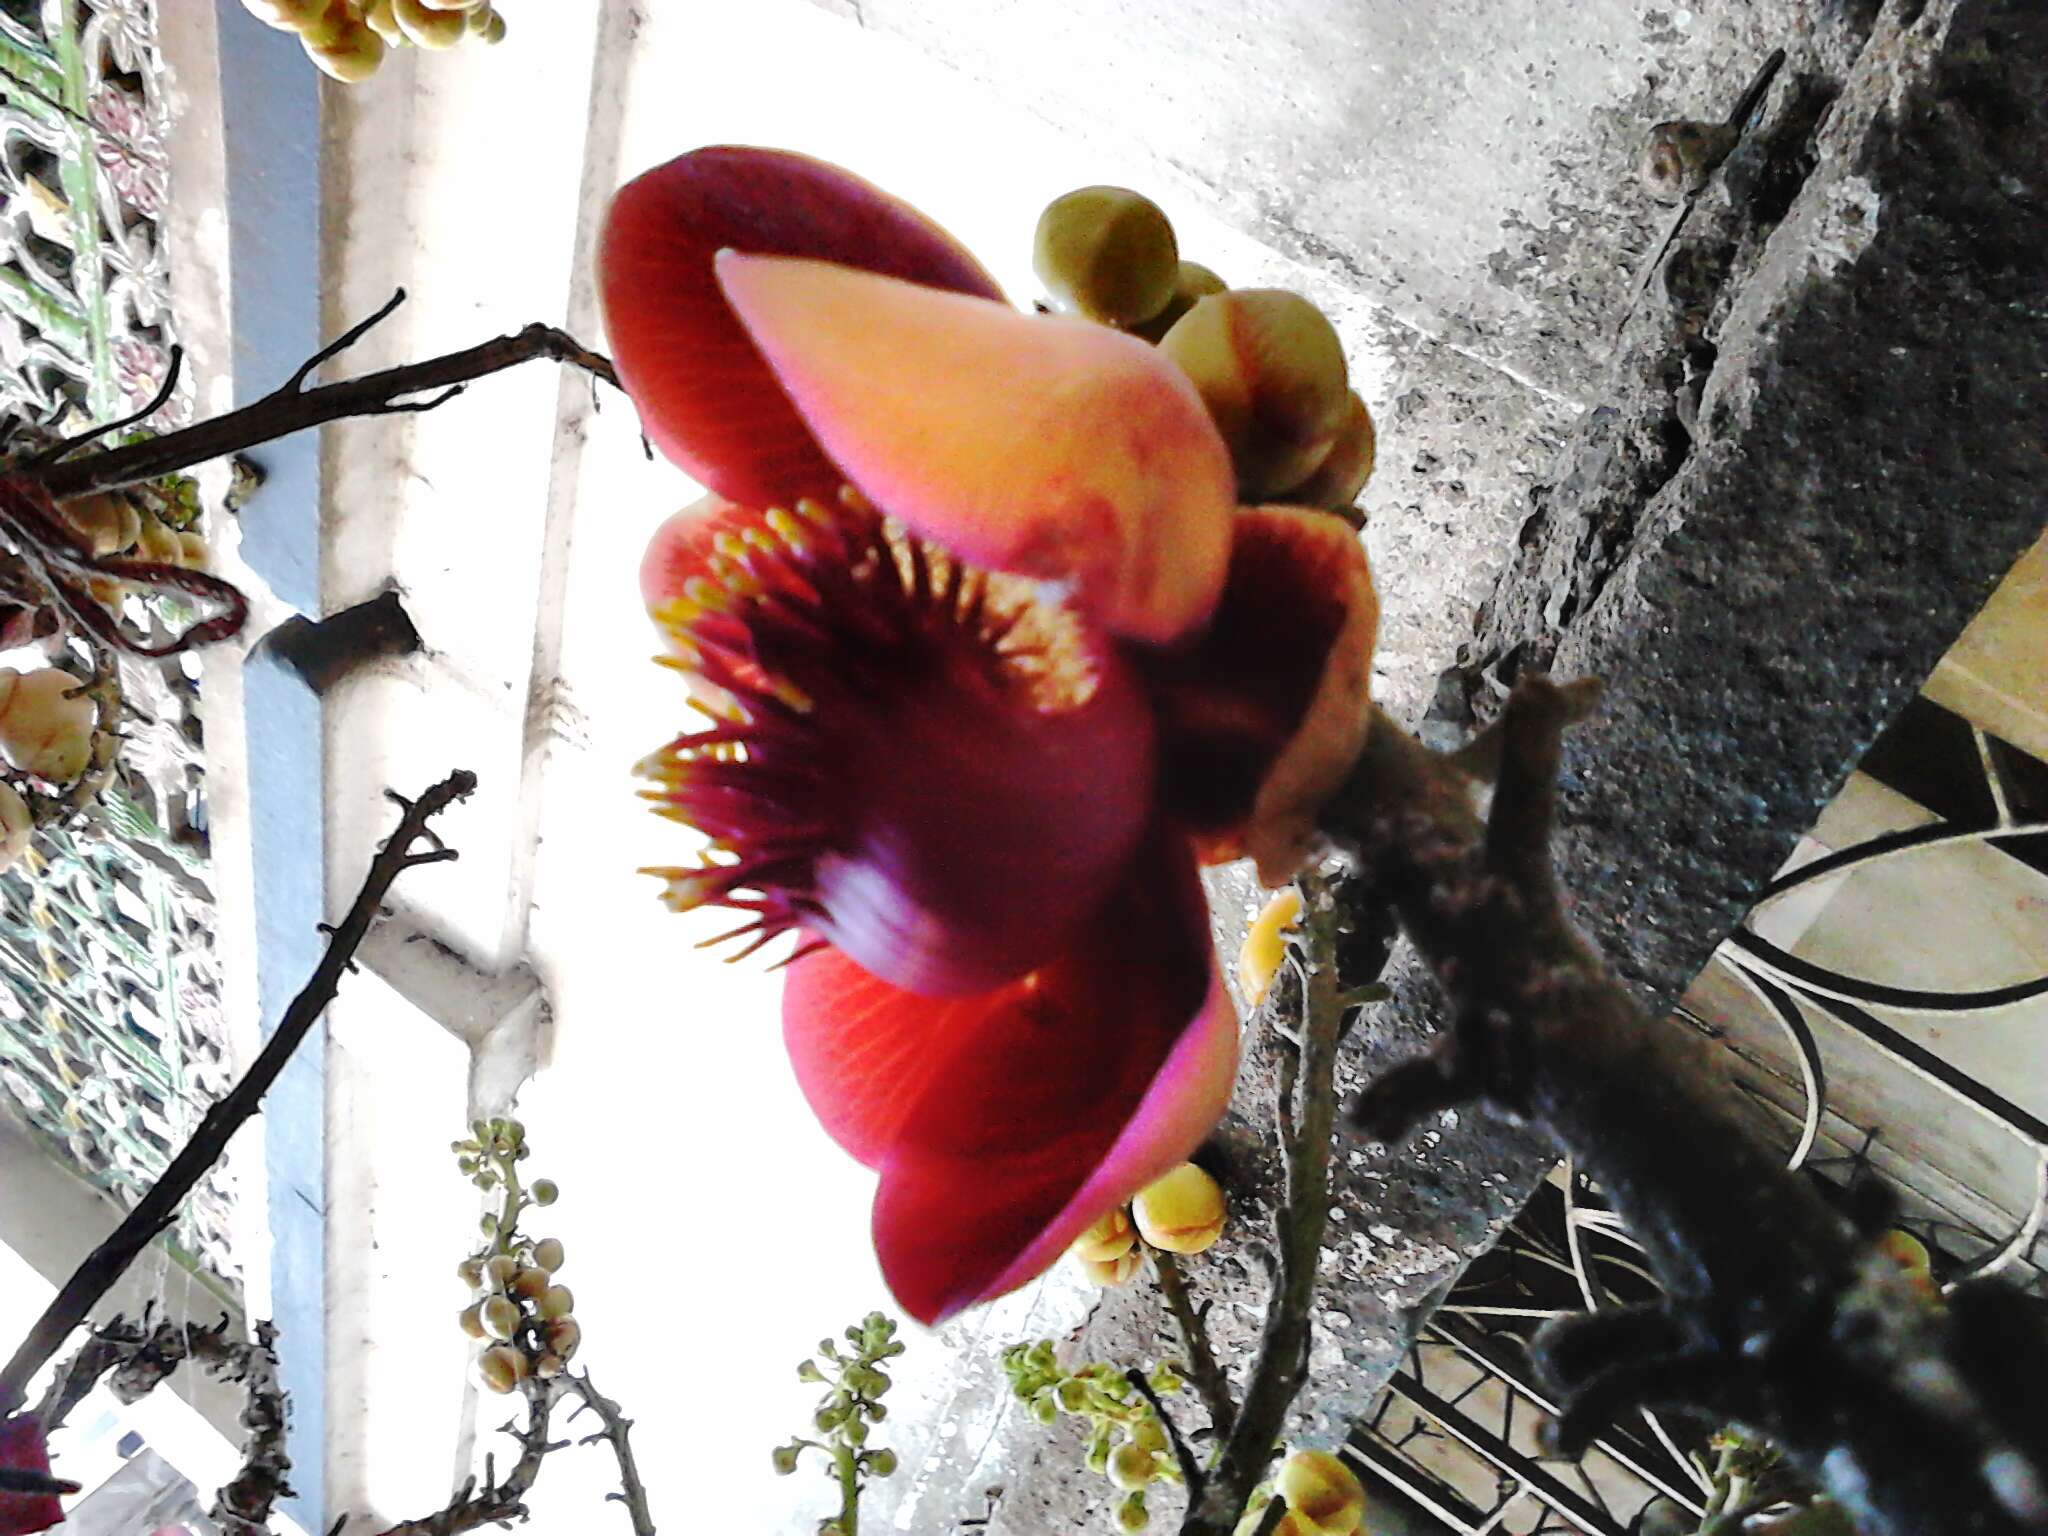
[(923, 764)]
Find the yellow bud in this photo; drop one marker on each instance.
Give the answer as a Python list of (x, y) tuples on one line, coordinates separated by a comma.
[(500, 1316), (352, 57), (563, 1335), (557, 1302), (1194, 283), (42, 731), (1110, 1238), (1340, 477), (195, 554), (547, 1367), (287, 15), (107, 522), (1182, 1212), (377, 16), (1271, 370), (1107, 253), (548, 1254), (500, 1271), (1913, 1259), (1265, 944), (487, 25), (17, 826), (1322, 1492), (427, 28), (327, 25), (530, 1284), (159, 544), (472, 1320), (1112, 1272), (502, 1368), (1130, 1466)]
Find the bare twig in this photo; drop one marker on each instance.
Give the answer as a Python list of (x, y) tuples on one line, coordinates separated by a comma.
[(1271, 1516), (108, 1262), (1210, 1383), (617, 1428), (501, 1501), (1281, 1369), (162, 398), (1190, 1468), (292, 408), (1779, 1317)]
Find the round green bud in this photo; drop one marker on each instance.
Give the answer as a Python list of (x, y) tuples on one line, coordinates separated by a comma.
[(1072, 1394), (1107, 253), (1147, 1434), (828, 1419), (545, 1192), (809, 1371), (500, 1316), (549, 1254), (855, 1429), (882, 1463), (1342, 475), (1098, 1455), (876, 1413), (1131, 1515), (488, 1225), (1194, 283), (557, 1301), (1130, 1466), (1044, 1409), (1271, 370), (784, 1457)]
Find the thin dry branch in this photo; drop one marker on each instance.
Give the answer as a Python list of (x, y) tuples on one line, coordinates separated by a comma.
[(1183, 1453), (1211, 1385), (616, 1431), (499, 1502), (1281, 1368), (108, 1262), (1779, 1316), (292, 407)]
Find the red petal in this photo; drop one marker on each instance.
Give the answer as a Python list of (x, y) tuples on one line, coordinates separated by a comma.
[(706, 398), (1004, 1125), (23, 1449), (682, 547), (1032, 444), (1262, 717)]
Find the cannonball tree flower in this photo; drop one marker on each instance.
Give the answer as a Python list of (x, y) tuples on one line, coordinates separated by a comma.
[(991, 655), (23, 1450)]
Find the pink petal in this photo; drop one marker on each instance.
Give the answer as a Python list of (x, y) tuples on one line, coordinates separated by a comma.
[(1038, 445), (705, 396), (682, 547), (23, 1449), (1004, 1125), (1264, 714)]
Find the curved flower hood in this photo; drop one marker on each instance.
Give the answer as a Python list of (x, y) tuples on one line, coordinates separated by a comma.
[(991, 651)]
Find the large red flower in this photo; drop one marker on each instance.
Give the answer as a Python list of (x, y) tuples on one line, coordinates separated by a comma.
[(991, 652), (23, 1450)]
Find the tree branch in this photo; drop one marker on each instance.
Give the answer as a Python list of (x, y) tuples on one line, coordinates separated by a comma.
[(1190, 1468), (499, 1503), (109, 1261), (1779, 1315), (617, 1427), (292, 408), (1210, 1382), (1281, 1369)]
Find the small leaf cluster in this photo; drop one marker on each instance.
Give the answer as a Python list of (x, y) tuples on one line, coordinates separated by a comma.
[(852, 1405), (1126, 1442), (527, 1318)]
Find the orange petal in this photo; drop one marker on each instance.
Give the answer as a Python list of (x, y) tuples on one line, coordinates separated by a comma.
[(1263, 715), (1038, 445), (706, 398)]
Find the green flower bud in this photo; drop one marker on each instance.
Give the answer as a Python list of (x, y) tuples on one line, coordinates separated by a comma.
[(1147, 1434), (1044, 1409), (545, 1192), (784, 1457), (488, 1225), (1130, 1466), (549, 1254), (1131, 1515), (855, 1430), (500, 1315), (828, 1419), (809, 1371), (876, 1413), (1107, 253), (882, 1463), (1195, 283), (1098, 1454)]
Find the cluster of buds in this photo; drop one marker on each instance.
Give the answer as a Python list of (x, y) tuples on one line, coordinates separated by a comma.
[(526, 1319), (1267, 363), (1265, 944), (151, 522), (851, 1407), (347, 39), (1181, 1212), (1126, 1442), (1324, 1498), (51, 735)]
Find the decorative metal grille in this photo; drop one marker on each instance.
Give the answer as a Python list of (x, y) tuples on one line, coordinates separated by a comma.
[(112, 1035), (1458, 1431)]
